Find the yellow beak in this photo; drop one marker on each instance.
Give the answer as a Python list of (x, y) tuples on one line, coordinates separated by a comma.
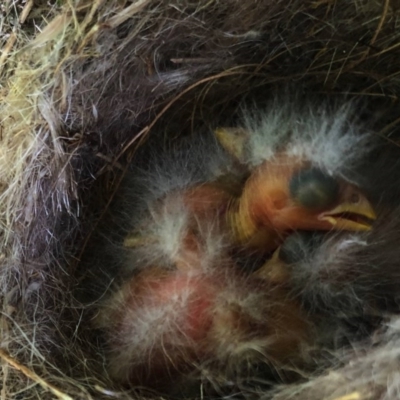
[(351, 217)]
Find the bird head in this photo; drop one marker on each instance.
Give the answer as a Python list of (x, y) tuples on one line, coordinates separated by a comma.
[(286, 195), (289, 192), (292, 195)]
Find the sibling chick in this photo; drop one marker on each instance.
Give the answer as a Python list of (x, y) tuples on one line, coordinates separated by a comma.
[(193, 312)]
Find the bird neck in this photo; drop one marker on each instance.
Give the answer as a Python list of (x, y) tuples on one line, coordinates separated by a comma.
[(240, 221), (246, 230)]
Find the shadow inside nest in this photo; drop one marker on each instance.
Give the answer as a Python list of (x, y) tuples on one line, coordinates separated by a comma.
[(220, 328)]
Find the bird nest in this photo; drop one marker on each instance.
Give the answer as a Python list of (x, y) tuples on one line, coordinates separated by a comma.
[(85, 84)]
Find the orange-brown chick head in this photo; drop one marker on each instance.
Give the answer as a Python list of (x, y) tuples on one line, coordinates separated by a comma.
[(285, 194)]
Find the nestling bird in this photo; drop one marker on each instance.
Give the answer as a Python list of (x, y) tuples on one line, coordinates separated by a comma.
[(351, 283), (298, 179), (194, 313), (356, 272), (185, 304)]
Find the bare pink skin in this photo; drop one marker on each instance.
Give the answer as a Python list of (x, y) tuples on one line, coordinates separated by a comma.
[(214, 318)]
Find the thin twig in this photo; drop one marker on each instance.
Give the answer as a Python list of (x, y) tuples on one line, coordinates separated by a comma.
[(5, 51), (376, 34), (176, 98), (383, 132), (25, 11), (33, 376), (351, 396), (381, 22)]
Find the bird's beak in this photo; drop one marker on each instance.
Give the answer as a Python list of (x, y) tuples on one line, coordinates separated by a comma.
[(350, 216)]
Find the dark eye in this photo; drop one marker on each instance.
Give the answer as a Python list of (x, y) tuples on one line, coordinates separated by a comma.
[(313, 189)]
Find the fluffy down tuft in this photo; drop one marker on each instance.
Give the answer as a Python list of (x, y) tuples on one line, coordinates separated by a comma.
[(330, 137)]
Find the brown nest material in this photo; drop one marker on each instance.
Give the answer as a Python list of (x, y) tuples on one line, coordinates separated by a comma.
[(85, 82)]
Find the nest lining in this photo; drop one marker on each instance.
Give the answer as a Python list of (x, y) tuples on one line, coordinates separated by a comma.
[(84, 83)]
